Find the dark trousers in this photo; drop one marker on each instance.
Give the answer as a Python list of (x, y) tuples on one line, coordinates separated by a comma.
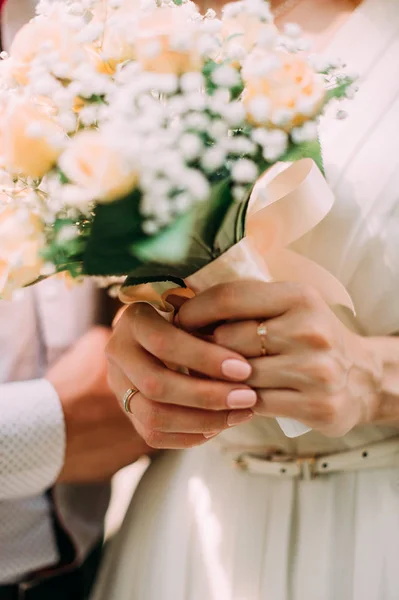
[(75, 585)]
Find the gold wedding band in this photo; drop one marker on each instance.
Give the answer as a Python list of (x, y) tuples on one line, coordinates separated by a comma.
[(262, 332), (127, 399)]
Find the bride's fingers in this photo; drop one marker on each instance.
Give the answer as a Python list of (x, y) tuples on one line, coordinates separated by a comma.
[(176, 419), (285, 403), (280, 372), (169, 441), (160, 384), (170, 344), (243, 300)]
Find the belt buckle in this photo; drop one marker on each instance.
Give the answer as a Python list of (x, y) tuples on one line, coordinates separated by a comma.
[(306, 464), (306, 467)]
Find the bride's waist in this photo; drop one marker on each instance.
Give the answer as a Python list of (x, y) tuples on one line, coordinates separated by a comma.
[(264, 436)]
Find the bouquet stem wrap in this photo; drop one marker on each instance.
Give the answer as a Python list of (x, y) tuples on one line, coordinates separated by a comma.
[(282, 208)]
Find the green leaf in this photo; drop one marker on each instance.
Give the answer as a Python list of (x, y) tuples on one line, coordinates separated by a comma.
[(232, 229), (115, 226), (306, 150), (170, 246)]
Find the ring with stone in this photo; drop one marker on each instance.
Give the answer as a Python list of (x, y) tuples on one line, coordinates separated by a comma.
[(127, 398), (262, 332)]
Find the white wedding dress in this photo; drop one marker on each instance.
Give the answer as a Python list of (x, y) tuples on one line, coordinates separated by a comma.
[(198, 528)]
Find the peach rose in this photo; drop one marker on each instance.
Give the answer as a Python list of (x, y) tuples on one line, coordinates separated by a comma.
[(28, 139), (167, 41), (290, 90), (90, 163), (21, 240), (28, 43)]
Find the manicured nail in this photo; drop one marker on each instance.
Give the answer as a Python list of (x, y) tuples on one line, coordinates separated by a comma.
[(241, 399), (235, 418), (211, 434), (238, 370)]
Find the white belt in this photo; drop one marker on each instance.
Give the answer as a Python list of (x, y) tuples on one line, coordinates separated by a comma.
[(371, 456)]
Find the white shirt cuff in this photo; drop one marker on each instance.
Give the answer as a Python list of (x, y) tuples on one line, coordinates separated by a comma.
[(32, 438)]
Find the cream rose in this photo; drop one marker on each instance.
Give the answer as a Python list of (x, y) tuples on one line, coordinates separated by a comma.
[(281, 89), (245, 30), (117, 42), (167, 41), (29, 139), (29, 41), (21, 241), (90, 163)]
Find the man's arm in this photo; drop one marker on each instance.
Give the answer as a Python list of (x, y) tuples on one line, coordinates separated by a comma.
[(68, 427), (32, 438)]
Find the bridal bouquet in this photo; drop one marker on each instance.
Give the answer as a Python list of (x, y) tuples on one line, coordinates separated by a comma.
[(134, 138)]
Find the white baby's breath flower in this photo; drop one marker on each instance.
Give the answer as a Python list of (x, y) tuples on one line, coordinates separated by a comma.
[(196, 101), (150, 227), (68, 121), (241, 145), (208, 46), (274, 143), (182, 202), (259, 109), (308, 132), (244, 171), (281, 117), (67, 233), (196, 184), (48, 269), (211, 26), (91, 33), (197, 121), (239, 193), (88, 115), (213, 158), (292, 30), (226, 76), (218, 129), (76, 197), (234, 114), (191, 82), (191, 146)]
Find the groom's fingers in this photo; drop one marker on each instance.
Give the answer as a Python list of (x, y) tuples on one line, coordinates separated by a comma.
[(244, 300), (172, 345)]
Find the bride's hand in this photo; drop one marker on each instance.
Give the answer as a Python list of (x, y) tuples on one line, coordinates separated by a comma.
[(316, 370), (173, 410)]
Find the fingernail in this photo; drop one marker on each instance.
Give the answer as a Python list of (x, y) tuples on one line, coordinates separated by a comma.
[(236, 369), (177, 321), (211, 434), (235, 418), (241, 398)]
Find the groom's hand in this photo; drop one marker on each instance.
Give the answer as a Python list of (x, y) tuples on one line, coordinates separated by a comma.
[(172, 409), (100, 439)]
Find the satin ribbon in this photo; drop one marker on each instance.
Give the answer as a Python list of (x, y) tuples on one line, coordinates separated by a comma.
[(286, 203)]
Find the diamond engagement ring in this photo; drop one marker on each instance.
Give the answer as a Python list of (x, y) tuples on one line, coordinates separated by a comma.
[(262, 332), (127, 399)]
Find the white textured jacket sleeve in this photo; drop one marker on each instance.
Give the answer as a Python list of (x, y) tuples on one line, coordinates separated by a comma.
[(32, 438)]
